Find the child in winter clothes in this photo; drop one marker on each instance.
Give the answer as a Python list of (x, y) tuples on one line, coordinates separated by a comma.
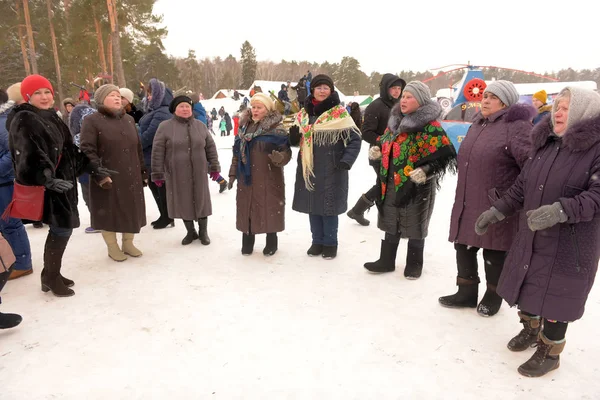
[(223, 126)]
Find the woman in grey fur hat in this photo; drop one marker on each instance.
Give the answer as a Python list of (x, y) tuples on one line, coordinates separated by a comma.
[(414, 152)]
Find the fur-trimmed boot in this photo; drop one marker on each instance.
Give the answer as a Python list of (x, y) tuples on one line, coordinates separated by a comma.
[(114, 251), (545, 359), (387, 258), (128, 246), (528, 335), (54, 250), (357, 212)]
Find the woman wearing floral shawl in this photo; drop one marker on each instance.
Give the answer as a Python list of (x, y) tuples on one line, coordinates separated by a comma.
[(414, 153), (329, 144)]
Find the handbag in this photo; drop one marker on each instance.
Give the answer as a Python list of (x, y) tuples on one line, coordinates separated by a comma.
[(27, 202)]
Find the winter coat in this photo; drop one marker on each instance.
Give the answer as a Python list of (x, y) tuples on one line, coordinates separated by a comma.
[(490, 158), (79, 112), (228, 124), (377, 113), (236, 124), (261, 204), (136, 114), (158, 112), (410, 217), (110, 140), (7, 173), (182, 150), (301, 90), (213, 112), (551, 272), (356, 114), (542, 112), (199, 112), (36, 140), (330, 194), (283, 95), (222, 125)]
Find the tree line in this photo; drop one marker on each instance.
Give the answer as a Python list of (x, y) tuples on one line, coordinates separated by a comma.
[(90, 42)]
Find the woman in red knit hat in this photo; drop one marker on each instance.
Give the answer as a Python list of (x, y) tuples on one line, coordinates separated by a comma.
[(44, 154)]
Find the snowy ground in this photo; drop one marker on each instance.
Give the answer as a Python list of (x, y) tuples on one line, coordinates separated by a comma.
[(201, 322)]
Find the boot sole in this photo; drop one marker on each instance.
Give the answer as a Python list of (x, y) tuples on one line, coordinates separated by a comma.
[(47, 289), (528, 375), (456, 306), (131, 255), (114, 259)]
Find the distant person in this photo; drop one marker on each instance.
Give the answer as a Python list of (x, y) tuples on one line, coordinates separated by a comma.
[(285, 99), (228, 124), (68, 104), (214, 114), (356, 114), (301, 91), (198, 108), (540, 103), (223, 126), (221, 111), (128, 106)]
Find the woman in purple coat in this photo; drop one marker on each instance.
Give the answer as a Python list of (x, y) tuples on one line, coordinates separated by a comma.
[(551, 266), (489, 160)]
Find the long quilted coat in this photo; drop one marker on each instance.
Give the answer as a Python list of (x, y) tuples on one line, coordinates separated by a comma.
[(489, 160), (551, 272)]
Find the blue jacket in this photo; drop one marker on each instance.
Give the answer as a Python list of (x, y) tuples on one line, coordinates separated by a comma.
[(158, 112), (283, 95), (7, 173), (200, 112)]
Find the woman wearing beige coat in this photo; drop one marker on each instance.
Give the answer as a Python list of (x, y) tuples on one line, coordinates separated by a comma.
[(181, 153)]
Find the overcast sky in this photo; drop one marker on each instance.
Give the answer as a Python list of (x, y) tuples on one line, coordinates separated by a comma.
[(389, 36)]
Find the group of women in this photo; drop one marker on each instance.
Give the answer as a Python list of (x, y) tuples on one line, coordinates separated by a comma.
[(544, 259)]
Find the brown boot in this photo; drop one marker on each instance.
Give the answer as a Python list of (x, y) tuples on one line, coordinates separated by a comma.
[(53, 254), (19, 273), (528, 335), (114, 251), (545, 359), (128, 247)]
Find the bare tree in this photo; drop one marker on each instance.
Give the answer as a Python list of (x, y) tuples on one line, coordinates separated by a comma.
[(32, 54), (21, 38), (116, 41), (54, 50)]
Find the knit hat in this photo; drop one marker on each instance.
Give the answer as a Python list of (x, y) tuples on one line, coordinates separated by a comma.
[(178, 100), (321, 79), (127, 94), (14, 93), (264, 99), (584, 104), (70, 101), (420, 91), (541, 96), (33, 83), (104, 91), (505, 91)]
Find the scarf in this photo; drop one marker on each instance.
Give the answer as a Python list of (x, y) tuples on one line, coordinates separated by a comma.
[(245, 140), (330, 127), (408, 151)]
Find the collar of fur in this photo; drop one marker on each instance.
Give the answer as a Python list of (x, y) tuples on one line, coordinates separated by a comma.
[(416, 121), (327, 104), (158, 90), (544, 109), (111, 113), (516, 112), (5, 108), (579, 137), (271, 121)]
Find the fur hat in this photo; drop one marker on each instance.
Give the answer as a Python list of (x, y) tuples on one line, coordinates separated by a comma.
[(70, 101), (104, 91), (420, 91), (541, 96), (14, 93), (127, 94), (505, 91), (32, 83), (584, 104), (321, 79), (178, 100), (264, 99)]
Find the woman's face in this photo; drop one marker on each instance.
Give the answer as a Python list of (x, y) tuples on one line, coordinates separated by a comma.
[(536, 103), (42, 99), (490, 104), (561, 116), (408, 103), (259, 111), (322, 92), (183, 110), (113, 101), (69, 108)]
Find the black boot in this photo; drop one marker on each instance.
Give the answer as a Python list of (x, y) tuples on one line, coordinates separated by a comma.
[(271, 247), (202, 231), (247, 244), (528, 335), (387, 258), (155, 221), (329, 252), (357, 212), (162, 223), (51, 278), (315, 250), (545, 359), (466, 297), (191, 233), (414, 260), (8, 321), (490, 303)]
